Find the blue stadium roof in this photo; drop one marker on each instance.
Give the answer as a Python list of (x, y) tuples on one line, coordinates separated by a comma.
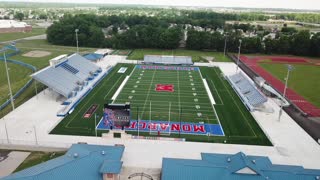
[(232, 167), (93, 56), (82, 161), (111, 166)]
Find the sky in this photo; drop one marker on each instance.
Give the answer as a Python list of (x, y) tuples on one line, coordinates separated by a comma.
[(287, 4)]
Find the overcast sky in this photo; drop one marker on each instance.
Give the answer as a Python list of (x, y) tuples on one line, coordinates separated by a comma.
[(289, 4)]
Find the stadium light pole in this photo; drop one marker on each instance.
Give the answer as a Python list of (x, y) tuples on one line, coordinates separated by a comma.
[(95, 124), (5, 127), (290, 68), (76, 31), (225, 44), (35, 134), (8, 76), (240, 41)]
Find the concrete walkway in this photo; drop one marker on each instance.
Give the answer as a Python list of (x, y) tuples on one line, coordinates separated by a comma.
[(31, 123), (14, 159)]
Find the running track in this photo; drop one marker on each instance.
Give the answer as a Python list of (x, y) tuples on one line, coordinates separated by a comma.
[(303, 104)]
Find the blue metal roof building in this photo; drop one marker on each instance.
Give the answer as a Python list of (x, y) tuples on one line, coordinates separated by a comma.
[(93, 56), (82, 161), (232, 167)]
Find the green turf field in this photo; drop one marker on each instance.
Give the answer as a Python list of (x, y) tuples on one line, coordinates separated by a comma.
[(238, 124), (189, 95), (197, 56), (304, 79)]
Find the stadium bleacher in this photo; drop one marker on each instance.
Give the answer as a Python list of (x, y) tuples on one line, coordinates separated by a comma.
[(251, 96), (69, 76), (175, 60)]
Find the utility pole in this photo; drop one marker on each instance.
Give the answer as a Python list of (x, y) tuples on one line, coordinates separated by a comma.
[(35, 134), (225, 44), (8, 77), (95, 124), (5, 126), (240, 41), (290, 68), (76, 31)]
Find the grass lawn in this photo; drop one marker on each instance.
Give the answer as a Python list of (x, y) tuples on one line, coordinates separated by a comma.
[(197, 56), (20, 75), (304, 79), (238, 124), (36, 158), (19, 35), (17, 79)]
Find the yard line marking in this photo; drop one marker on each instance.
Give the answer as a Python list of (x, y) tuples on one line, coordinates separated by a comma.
[(214, 110), (154, 72), (179, 90), (216, 91)]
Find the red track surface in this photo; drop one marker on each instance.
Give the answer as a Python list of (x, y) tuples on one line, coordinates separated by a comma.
[(303, 104)]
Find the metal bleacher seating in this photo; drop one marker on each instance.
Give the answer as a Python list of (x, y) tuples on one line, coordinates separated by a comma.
[(251, 96), (69, 76), (156, 59)]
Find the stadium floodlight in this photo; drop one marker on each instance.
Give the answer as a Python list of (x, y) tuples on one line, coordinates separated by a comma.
[(95, 123), (76, 31), (8, 76), (225, 44), (5, 127), (35, 134), (240, 41), (290, 68)]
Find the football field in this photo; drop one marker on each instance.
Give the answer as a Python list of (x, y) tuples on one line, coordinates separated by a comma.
[(161, 94), (174, 96)]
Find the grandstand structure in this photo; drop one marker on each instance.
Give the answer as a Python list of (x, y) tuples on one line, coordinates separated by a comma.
[(170, 60), (71, 77), (248, 93)]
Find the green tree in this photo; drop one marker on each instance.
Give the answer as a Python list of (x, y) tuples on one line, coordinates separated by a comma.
[(19, 16)]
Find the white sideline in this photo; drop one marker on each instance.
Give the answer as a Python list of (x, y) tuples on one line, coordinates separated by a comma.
[(208, 91), (120, 88)]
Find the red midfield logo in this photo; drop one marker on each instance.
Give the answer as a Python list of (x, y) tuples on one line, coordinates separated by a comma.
[(164, 87)]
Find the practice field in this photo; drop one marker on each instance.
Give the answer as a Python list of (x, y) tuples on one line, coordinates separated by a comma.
[(157, 88), (305, 79), (197, 56)]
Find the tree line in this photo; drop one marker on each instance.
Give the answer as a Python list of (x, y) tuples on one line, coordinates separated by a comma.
[(152, 32)]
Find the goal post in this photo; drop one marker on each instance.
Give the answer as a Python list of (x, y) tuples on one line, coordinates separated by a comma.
[(168, 132), (154, 127)]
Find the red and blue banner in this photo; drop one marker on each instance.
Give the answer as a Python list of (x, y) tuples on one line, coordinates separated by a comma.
[(172, 127)]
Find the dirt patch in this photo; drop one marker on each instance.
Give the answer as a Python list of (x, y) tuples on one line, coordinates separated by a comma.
[(36, 54)]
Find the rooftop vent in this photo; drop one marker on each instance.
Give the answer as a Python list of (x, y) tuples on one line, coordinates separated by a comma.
[(253, 161), (75, 155), (103, 153), (229, 160), (317, 177)]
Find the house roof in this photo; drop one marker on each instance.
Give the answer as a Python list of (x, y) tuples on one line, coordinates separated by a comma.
[(82, 161), (232, 167)]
